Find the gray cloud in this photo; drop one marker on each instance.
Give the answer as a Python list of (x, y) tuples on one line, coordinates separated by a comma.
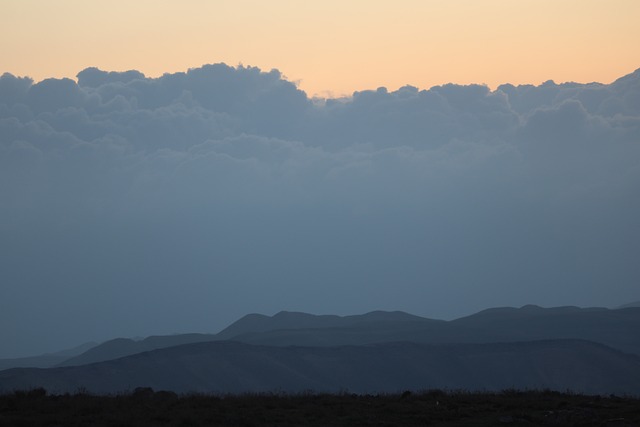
[(134, 206)]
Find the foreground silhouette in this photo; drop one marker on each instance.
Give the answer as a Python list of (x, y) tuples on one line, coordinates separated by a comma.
[(144, 407)]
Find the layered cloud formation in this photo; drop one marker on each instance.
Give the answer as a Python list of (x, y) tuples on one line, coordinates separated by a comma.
[(133, 205)]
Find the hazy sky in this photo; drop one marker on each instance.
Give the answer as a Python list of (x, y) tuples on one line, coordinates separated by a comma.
[(134, 204), (330, 46)]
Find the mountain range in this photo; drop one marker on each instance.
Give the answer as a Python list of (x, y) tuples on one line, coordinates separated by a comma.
[(591, 350)]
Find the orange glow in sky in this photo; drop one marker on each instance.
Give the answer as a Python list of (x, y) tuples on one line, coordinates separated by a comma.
[(330, 47)]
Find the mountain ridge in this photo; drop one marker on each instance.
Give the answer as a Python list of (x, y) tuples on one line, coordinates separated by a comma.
[(615, 328), (46, 360), (121, 347)]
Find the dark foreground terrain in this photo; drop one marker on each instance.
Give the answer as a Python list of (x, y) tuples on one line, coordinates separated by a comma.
[(435, 408), (222, 367)]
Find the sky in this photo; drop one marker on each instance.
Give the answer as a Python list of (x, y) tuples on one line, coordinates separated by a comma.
[(168, 167), (330, 47)]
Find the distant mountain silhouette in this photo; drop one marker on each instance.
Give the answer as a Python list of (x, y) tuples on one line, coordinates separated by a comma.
[(233, 367), (614, 328), (46, 360), (121, 347), (287, 320), (630, 305)]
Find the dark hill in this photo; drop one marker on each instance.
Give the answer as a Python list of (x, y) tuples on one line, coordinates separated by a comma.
[(46, 360), (232, 367), (287, 320), (121, 347), (614, 328), (630, 305)]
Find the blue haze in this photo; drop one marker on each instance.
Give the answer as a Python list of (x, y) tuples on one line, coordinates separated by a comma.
[(133, 206)]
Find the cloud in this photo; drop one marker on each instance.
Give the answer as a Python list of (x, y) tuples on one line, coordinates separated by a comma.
[(184, 201), (94, 77), (13, 89)]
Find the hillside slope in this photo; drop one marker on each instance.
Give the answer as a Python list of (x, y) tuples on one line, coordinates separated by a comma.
[(121, 347), (232, 367), (46, 360)]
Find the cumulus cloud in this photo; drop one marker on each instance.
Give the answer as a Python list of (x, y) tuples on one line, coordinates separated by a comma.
[(153, 205)]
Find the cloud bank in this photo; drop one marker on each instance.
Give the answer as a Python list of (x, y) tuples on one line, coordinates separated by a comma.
[(133, 205)]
